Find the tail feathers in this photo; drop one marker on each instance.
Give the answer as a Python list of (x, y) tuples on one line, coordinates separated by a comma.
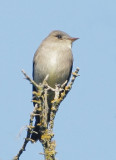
[(36, 136)]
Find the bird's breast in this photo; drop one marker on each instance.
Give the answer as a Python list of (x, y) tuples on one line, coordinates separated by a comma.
[(56, 64), (53, 61)]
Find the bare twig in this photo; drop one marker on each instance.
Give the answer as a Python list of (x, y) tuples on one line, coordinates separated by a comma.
[(27, 139), (41, 105)]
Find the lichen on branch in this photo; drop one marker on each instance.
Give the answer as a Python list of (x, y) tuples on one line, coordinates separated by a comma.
[(41, 110)]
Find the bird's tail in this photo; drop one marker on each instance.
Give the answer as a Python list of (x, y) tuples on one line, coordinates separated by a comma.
[(37, 131), (36, 135)]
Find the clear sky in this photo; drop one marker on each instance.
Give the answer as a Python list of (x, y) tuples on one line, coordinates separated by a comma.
[(85, 125)]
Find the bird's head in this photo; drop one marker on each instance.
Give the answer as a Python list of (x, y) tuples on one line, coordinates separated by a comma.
[(61, 38)]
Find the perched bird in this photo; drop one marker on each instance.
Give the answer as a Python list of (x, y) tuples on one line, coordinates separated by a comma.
[(53, 58)]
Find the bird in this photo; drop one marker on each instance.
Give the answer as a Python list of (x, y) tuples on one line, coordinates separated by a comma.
[(53, 58)]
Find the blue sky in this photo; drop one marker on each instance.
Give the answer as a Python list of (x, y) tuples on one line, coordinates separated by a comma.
[(85, 125)]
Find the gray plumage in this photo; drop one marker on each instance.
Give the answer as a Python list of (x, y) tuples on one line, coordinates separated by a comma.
[(54, 58)]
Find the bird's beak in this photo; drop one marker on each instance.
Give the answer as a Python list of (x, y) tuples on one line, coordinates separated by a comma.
[(73, 39)]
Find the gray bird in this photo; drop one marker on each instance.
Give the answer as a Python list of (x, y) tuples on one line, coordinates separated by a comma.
[(54, 58)]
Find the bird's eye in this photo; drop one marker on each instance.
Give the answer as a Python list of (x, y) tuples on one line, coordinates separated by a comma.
[(59, 36)]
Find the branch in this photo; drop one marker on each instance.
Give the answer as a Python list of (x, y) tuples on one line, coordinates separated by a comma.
[(41, 105)]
